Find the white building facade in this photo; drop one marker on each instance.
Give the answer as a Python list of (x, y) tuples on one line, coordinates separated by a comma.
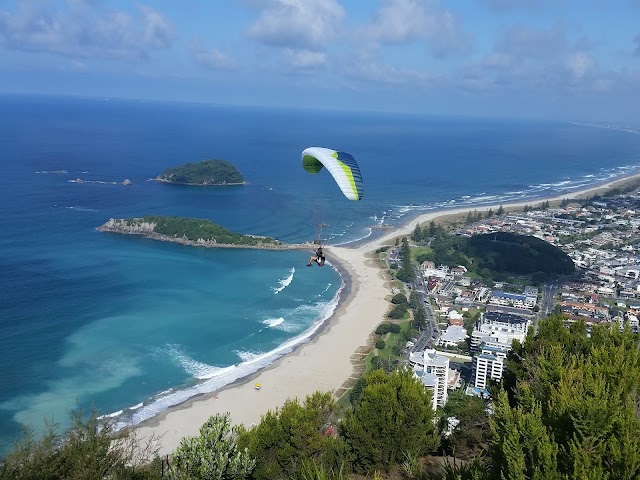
[(433, 370), (491, 341)]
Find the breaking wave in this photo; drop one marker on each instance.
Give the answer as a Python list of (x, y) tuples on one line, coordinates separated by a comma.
[(213, 378), (285, 282)]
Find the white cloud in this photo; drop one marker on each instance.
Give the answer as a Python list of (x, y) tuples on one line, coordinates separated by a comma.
[(403, 21), (298, 24), (211, 58), (533, 43), (579, 64), (305, 59), (84, 29), (518, 4)]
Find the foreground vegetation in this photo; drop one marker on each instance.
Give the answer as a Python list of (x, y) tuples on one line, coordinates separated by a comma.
[(207, 172), (568, 408)]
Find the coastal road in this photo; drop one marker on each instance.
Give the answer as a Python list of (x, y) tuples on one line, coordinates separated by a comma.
[(417, 284), (548, 300)]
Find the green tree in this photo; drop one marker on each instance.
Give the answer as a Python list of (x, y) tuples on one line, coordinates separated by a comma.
[(207, 172), (398, 311), (393, 417), (500, 211), (89, 449), (469, 219), (432, 229), (420, 317), (414, 299), (399, 298), (573, 410), (472, 434), (522, 448), (380, 344), (214, 454), (416, 236), (288, 436), (490, 213)]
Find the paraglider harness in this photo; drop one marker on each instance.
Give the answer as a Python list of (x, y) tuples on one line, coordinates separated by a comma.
[(319, 258)]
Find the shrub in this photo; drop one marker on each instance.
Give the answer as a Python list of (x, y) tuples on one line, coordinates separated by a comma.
[(399, 298), (380, 344), (398, 312)]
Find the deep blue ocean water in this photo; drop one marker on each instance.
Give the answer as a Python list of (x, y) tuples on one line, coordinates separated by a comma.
[(134, 326)]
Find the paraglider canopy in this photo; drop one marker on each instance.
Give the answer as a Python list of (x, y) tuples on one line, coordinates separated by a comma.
[(342, 167)]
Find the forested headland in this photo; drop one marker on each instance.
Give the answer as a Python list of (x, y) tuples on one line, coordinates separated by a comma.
[(189, 231), (205, 173)]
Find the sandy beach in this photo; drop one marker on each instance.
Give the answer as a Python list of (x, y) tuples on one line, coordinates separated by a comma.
[(329, 362)]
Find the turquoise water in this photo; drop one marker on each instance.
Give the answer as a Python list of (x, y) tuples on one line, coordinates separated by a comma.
[(134, 326)]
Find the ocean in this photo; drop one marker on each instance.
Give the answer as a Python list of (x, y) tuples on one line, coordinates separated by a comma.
[(133, 326)]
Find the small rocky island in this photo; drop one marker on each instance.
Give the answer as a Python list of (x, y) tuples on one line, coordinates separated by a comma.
[(192, 231), (205, 173)]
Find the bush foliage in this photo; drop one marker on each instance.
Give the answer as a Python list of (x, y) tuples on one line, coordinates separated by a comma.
[(207, 172), (196, 228)]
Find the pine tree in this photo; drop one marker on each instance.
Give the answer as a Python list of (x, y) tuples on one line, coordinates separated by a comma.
[(416, 236), (394, 416)]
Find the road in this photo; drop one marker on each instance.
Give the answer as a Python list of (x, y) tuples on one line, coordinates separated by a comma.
[(548, 300), (417, 284)]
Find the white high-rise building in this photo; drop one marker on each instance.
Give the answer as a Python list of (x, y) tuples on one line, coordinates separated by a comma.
[(488, 364), (433, 370), (491, 341), (497, 328)]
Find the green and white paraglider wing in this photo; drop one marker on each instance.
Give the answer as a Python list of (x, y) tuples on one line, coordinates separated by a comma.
[(342, 167)]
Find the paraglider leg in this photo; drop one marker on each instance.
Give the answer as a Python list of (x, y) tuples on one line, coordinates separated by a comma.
[(311, 260)]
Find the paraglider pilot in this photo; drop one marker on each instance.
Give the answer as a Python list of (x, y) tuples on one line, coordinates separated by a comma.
[(318, 258)]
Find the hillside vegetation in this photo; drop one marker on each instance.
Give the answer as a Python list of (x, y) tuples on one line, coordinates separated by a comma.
[(499, 254), (196, 228), (207, 172)]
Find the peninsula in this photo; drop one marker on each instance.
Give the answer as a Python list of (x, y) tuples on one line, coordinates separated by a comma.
[(205, 173), (192, 231)]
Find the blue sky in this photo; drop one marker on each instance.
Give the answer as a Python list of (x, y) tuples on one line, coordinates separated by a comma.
[(569, 59)]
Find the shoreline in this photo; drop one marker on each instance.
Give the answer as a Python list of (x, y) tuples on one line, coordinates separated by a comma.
[(169, 182), (329, 360)]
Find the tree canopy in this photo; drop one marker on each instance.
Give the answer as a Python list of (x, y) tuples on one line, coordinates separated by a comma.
[(197, 228), (207, 172), (393, 417)]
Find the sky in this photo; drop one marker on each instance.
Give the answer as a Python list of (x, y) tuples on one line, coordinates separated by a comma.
[(560, 59)]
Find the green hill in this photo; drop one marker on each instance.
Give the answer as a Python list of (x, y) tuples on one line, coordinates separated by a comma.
[(500, 253), (207, 172), (518, 254)]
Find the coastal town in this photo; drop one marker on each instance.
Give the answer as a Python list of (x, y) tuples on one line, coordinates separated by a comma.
[(474, 322)]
